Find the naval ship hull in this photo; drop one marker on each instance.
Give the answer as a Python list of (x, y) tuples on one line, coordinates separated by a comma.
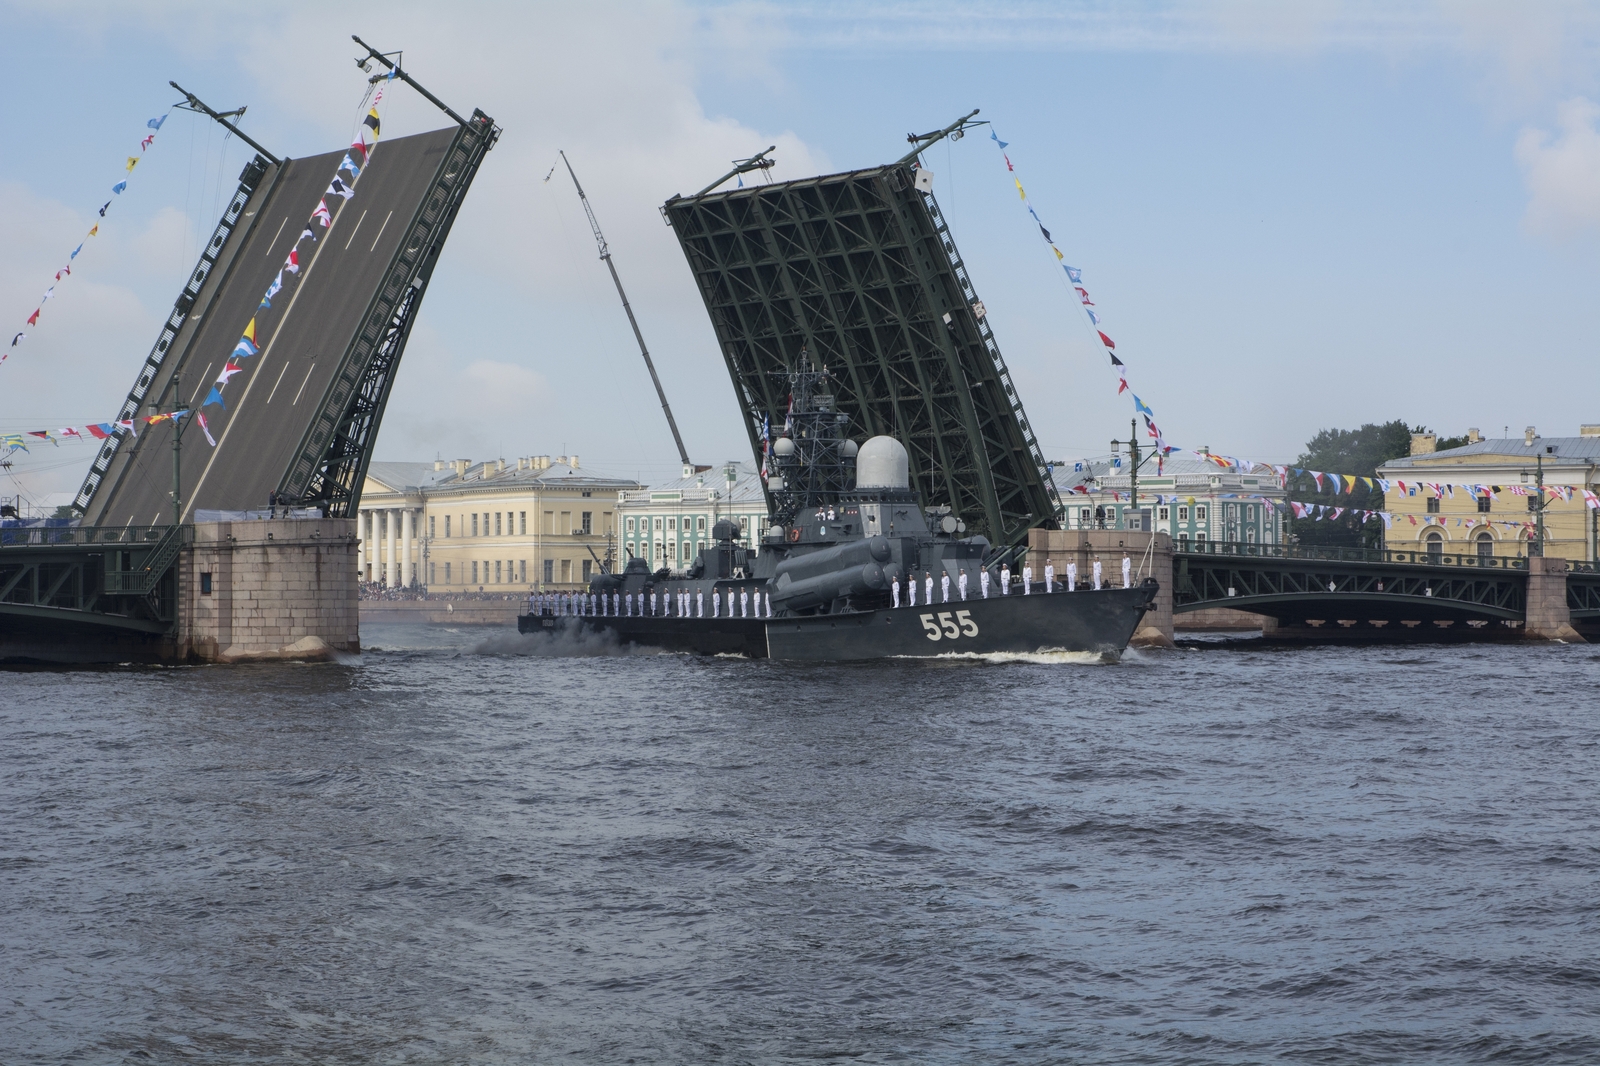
[(1098, 622)]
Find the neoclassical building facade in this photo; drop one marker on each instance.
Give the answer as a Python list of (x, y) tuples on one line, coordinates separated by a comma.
[(534, 523)]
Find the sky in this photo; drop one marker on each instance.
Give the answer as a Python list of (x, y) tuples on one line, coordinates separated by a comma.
[(1290, 217)]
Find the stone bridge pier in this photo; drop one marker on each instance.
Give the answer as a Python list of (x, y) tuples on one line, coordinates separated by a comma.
[(263, 590), (1149, 553)]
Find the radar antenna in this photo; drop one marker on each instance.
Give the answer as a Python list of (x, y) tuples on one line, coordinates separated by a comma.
[(605, 256)]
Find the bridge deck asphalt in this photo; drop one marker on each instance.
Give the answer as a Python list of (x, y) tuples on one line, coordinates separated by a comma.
[(303, 337)]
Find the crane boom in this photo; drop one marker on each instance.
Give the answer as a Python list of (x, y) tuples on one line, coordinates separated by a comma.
[(605, 256)]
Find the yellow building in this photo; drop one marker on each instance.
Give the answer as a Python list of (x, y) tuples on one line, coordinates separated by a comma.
[(487, 527), (1480, 499)]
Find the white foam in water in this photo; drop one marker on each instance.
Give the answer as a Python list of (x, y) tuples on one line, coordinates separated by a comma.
[(567, 642), (1047, 658)]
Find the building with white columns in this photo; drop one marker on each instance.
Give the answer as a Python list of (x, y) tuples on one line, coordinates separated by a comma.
[(458, 526)]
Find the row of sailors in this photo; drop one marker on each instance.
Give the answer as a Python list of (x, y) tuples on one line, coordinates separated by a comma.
[(1005, 582), (679, 604)]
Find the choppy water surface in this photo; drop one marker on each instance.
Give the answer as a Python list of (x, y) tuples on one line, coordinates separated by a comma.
[(455, 851)]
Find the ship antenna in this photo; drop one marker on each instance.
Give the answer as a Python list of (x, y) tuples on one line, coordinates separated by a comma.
[(605, 256)]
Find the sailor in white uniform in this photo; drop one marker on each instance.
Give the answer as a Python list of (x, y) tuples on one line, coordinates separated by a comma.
[(961, 585), (1005, 580), (744, 603), (894, 592), (1072, 577), (1027, 580), (699, 603), (1097, 575), (928, 587), (983, 583), (1127, 572), (944, 585), (1049, 577)]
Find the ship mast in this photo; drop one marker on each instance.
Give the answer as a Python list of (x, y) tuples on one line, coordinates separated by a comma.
[(605, 256)]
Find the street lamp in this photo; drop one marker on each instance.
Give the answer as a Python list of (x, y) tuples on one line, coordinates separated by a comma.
[(175, 416), (1536, 546)]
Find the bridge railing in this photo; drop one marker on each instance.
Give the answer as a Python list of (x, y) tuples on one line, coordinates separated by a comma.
[(1319, 553), (46, 537)]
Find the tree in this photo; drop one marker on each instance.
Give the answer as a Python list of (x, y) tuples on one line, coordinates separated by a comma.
[(1356, 452)]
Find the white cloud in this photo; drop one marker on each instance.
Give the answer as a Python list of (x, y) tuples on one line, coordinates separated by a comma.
[(522, 326), (1562, 170)]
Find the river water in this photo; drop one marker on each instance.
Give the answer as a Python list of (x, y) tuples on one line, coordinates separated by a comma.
[(462, 848)]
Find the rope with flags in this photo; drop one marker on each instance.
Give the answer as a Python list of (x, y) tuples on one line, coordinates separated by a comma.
[(338, 193), (1162, 449), (94, 231)]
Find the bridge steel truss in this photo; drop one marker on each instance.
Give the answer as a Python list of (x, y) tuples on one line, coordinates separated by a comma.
[(333, 455), (1300, 586), (1583, 595), (178, 326), (118, 578), (859, 270)]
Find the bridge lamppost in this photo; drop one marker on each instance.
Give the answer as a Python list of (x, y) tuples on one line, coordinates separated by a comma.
[(1133, 449), (1536, 546), (174, 414)]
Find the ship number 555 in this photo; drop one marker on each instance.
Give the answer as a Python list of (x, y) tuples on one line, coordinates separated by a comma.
[(950, 626)]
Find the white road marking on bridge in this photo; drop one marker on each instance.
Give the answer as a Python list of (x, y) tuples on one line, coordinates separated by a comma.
[(275, 236), (275, 384), (203, 378), (381, 228), (360, 220), (305, 279), (303, 384)]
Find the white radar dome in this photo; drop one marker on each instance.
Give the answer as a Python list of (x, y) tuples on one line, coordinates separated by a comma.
[(882, 463)]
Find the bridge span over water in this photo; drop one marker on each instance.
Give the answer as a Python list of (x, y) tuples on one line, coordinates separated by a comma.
[(299, 426)]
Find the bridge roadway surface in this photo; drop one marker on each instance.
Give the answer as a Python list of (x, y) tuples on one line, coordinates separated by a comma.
[(302, 337)]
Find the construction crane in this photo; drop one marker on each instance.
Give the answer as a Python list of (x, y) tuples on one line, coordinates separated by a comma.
[(605, 256)]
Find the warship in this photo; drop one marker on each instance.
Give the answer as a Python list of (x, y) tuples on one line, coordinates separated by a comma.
[(852, 566)]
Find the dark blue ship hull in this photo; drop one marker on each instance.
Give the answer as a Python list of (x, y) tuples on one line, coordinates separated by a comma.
[(1099, 622)]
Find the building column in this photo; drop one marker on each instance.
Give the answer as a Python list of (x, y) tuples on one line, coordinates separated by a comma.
[(406, 572), (391, 570), (361, 544)]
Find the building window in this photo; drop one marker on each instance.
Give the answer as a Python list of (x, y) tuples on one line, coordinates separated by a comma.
[(1199, 537), (431, 573), (430, 527), (549, 569), (566, 571), (474, 524), (700, 524), (588, 522), (1483, 503), (587, 563), (630, 525), (447, 526), (496, 523), (1200, 514), (474, 571), (205, 583), (658, 523), (672, 525), (447, 565), (1533, 501), (497, 571), (522, 570), (1183, 514), (672, 550), (1183, 538), (1162, 513), (1433, 505)]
